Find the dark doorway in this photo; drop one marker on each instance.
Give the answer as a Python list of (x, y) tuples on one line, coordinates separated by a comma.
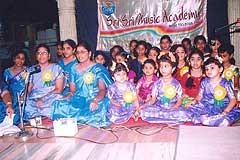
[(21, 26)]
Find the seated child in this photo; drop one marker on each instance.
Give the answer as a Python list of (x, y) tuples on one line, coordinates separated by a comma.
[(215, 103), (191, 80), (145, 84), (166, 99), (122, 95), (231, 72)]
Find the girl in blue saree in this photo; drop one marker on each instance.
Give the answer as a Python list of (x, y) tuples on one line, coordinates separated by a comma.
[(68, 61), (86, 101), (45, 86), (15, 79)]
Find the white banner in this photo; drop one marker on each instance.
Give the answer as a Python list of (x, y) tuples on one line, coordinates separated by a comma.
[(120, 21)]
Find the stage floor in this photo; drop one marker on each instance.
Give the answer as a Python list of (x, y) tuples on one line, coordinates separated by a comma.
[(208, 143), (134, 142)]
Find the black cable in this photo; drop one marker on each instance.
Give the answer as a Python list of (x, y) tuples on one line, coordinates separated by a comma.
[(137, 129), (111, 130), (158, 131), (6, 148), (85, 139), (174, 126)]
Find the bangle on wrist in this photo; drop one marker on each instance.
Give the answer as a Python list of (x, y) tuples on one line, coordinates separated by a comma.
[(8, 103), (95, 100)]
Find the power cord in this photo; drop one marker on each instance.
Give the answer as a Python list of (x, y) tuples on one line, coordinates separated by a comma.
[(112, 130), (116, 138)]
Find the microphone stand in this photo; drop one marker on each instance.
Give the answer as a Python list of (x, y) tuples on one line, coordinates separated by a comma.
[(22, 98)]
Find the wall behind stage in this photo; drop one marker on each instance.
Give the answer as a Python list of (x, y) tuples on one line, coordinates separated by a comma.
[(87, 20), (217, 16)]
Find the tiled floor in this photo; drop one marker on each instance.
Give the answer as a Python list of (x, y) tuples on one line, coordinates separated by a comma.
[(208, 143), (129, 144), (118, 142)]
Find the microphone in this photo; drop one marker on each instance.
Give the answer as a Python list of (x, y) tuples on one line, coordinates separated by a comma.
[(34, 69), (235, 31), (221, 28)]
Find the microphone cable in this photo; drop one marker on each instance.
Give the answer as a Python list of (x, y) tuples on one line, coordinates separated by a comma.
[(111, 130), (116, 138)]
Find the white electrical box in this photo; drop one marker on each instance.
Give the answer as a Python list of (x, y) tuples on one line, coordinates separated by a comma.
[(65, 127)]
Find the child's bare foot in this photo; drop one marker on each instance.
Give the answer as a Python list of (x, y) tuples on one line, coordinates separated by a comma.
[(136, 116)]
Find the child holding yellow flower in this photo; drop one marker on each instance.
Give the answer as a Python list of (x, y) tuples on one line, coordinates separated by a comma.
[(123, 96), (215, 103), (165, 103)]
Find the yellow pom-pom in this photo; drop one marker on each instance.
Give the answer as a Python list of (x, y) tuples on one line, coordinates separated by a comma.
[(220, 93), (128, 96), (24, 74), (88, 78), (47, 76), (170, 91), (228, 74)]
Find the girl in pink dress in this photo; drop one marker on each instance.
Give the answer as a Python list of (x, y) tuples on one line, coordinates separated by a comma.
[(145, 84)]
